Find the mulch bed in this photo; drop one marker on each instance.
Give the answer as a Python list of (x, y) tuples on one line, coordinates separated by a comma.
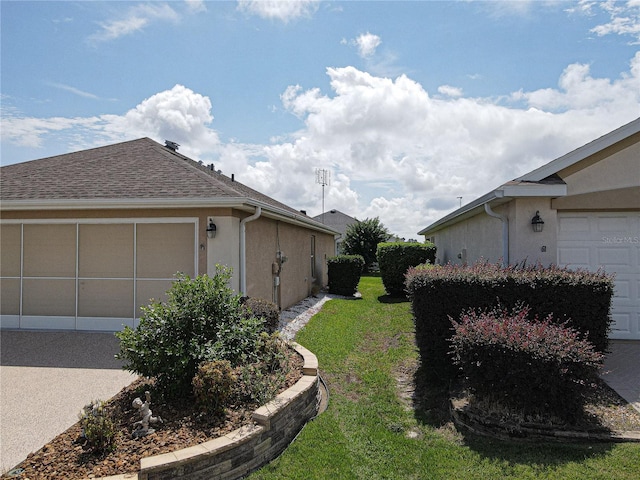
[(605, 415), (65, 457)]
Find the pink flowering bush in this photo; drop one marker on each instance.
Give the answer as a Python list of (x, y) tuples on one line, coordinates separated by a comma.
[(534, 366)]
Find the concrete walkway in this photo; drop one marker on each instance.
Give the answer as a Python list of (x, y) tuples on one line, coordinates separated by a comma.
[(45, 380), (622, 370)]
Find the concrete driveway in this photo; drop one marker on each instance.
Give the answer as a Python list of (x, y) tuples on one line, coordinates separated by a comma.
[(622, 370), (45, 380)]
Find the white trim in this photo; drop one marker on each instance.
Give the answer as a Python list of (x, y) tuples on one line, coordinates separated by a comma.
[(534, 190), (104, 324), (38, 322), (10, 321)]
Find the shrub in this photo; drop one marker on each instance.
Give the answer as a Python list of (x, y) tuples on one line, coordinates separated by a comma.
[(581, 299), (528, 365), (201, 321), (395, 258), (213, 385), (260, 308), (98, 428), (344, 273), (260, 382)]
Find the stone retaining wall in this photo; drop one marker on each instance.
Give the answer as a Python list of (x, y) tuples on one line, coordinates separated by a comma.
[(247, 448)]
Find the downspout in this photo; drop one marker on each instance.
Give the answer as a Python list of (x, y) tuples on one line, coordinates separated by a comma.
[(243, 249), (505, 232)]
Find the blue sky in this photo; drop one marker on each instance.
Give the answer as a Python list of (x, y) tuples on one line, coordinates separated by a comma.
[(409, 105)]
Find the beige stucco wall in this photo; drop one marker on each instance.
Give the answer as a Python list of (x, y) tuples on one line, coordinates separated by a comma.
[(524, 243), (264, 238), (614, 168), (478, 236), (224, 248)]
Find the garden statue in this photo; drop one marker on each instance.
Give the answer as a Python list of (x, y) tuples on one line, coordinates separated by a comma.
[(141, 427)]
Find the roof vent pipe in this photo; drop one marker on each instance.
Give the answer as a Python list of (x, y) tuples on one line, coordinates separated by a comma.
[(243, 249), (505, 232), (173, 146)]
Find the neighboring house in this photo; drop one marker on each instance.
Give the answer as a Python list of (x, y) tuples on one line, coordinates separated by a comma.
[(338, 221), (589, 201), (87, 238)]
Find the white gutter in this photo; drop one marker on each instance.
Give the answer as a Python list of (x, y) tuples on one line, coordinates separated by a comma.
[(243, 248), (505, 232)]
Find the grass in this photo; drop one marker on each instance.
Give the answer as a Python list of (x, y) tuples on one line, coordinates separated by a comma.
[(369, 432)]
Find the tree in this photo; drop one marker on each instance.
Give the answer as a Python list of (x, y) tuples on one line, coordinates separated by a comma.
[(363, 237)]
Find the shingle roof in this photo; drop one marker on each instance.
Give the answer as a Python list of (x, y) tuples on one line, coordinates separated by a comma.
[(335, 219), (134, 170)]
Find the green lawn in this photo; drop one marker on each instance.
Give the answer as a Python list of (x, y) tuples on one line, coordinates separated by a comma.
[(369, 432)]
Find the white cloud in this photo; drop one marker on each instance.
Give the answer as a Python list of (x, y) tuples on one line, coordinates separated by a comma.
[(196, 6), (283, 10), (178, 114), (133, 20), (624, 17), (74, 90), (450, 91), (394, 151), (367, 44)]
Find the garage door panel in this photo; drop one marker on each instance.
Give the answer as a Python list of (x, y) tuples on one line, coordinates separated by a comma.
[(49, 297), (106, 251), (622, 290), (165, 249), (49, 250), (574, 256), (10, 297), (621, 323), (620, 257), (105, 298), (574, 223), (612, 223), (611, 241), (148, 290), (10, 240)]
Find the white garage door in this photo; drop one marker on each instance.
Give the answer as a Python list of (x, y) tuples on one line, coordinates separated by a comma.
[(609, 240)]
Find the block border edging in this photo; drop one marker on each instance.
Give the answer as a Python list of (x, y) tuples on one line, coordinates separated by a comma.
[(150, 466)]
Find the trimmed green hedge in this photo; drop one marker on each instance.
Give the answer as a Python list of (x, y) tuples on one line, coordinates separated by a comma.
[(579, 299), (395, 258), (344, 273)]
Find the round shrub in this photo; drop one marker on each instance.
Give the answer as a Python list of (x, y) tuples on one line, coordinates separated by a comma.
[(213, 385), (202, 320), (536, 367), (395, 258), (344, 273)]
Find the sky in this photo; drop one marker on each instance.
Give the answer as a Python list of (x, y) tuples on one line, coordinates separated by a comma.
[(413, 108)]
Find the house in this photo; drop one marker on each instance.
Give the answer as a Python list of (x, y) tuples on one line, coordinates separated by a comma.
[(87, 238), (338, 221), (581, 210)]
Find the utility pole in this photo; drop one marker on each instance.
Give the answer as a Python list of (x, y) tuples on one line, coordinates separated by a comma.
[(323, 177)]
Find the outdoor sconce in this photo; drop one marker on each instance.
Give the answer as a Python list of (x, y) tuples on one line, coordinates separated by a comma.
[(536, 222), (211, 229)]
